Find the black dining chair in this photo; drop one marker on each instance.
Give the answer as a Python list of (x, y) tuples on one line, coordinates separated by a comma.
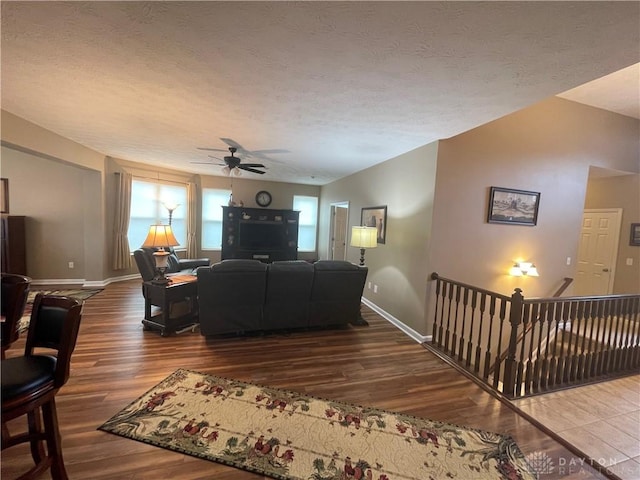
[(15, 289), (30, 382)]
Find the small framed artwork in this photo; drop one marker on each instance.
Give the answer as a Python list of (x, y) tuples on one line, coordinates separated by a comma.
[(4, 195), (635, 235), (376, 217), (516, 207)]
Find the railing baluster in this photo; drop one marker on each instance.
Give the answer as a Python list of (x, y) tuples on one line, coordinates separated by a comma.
[(454, 339), (583, 314), (635, 355), (537, 369), (487, 355), (447, 332), (529, 372), (589, 367), (606, 360), (434, 331), (523, 342), (474, 298), (465, 299), (546, 363), (483, 303), (498, 362), (617, 335), (565, 343), (628, 344)]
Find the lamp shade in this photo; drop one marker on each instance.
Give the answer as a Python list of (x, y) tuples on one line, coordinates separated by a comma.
[(160, 236), (364, 237)]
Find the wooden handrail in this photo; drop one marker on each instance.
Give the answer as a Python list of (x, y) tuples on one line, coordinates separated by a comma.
[(435, 276), (565, 284)]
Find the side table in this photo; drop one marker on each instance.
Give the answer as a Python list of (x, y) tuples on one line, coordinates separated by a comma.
[(182, 289)]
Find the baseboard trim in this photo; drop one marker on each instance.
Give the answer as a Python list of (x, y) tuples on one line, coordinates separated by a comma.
[(410, 332), (82, 282)]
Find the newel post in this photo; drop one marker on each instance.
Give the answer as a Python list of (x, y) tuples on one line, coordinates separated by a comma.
[(515, 318)]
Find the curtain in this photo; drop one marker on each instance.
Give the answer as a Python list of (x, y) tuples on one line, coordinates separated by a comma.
[(121, 252), (192, 220)]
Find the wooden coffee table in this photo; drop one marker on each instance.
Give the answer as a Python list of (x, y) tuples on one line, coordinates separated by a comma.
[(181, 295)]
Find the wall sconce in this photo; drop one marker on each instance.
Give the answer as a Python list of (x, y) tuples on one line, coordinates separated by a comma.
[(524, 269), (364, 237), (160, 236)]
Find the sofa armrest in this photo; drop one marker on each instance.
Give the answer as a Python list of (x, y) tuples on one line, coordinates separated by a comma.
[(192, 263)]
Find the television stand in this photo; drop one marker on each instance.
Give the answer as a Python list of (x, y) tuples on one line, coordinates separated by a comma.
[(261, 234)]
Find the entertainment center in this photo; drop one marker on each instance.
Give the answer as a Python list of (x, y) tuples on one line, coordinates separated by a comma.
[(258, 233)]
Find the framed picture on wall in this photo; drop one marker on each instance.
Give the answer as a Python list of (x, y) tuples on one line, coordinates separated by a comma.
[(375, 217), (635, 235), (4, 195), (516, 207)]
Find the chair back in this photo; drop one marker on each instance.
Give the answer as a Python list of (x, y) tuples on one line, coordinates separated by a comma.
[(54, 324), (15, 289), (146, 264)]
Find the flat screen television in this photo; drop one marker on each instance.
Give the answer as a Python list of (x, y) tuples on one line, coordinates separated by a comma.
[(261, 236)]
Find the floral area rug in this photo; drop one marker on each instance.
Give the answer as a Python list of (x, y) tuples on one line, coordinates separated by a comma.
[(77, 293), (285, 435)]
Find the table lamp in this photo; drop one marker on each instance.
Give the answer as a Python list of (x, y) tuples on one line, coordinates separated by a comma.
[(364, 237), (160, 236)]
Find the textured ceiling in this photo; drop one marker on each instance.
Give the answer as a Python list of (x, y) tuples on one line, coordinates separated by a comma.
[(339, 85)]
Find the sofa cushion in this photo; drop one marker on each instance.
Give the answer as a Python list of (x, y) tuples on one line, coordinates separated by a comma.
[(288, 294), (231, 296)]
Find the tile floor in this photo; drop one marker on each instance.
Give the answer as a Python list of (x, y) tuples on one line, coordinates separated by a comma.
[(602, 420)]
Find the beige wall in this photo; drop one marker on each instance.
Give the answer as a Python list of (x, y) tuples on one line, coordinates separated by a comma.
[(63, 207), (620, 191), (547, 148), (399, 267)]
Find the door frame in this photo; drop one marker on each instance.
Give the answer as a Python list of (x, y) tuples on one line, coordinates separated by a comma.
[(332, 211)]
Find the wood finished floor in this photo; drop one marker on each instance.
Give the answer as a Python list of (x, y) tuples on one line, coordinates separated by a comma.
[(115, 361)]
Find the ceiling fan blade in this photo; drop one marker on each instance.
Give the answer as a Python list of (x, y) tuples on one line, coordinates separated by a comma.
[(253, 165), (249, 169), (212, 149), (270, 151), (203, 163)]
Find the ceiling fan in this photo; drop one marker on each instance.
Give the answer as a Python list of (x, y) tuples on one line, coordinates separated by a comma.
[(233, 164)]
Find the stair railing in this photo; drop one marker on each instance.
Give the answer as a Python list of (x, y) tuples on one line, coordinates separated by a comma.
[(551, 343)]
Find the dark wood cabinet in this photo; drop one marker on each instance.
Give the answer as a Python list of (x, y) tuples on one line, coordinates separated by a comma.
[(14, 248), (258, 233)]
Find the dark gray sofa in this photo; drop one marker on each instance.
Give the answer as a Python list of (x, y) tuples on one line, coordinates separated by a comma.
[(238, 296)]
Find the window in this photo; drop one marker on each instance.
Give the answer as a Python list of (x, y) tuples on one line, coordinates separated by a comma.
[(212, 201), (308, 207), (147, 208)]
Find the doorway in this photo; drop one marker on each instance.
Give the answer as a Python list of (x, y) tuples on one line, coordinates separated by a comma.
[(598, 251), (338, 231)]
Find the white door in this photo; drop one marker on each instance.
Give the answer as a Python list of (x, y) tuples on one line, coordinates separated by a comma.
[(598, 251), (339, 233)]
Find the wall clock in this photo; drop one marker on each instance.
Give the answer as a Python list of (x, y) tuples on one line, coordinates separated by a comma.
[(263, 198)]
